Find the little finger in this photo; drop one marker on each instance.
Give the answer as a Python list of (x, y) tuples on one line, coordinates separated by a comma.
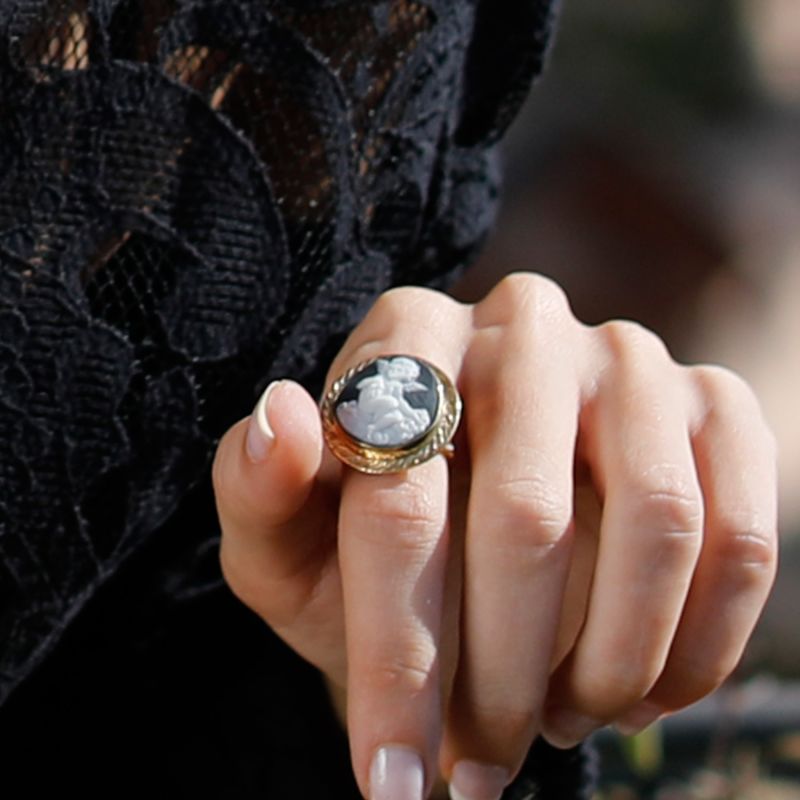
[(736, 460)]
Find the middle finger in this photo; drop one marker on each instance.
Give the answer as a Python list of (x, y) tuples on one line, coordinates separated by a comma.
[(522, 399)]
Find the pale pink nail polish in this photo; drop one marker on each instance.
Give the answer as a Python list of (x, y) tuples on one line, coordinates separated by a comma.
[(396, 773), (472, 780), (260, 436)]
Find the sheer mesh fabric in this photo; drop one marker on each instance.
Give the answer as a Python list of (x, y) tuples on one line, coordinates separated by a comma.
[(197, 197)]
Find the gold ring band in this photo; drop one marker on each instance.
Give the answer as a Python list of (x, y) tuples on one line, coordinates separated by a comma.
[(390, 413)]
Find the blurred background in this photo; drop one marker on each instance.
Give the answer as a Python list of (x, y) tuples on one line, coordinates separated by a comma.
[(655, 174)]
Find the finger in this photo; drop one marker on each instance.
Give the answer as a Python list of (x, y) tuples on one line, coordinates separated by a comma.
[(393, 543), (735, 454), (586, 524), (521, 401), (277, 517), (405, 318), (651, 532), (393, 553)]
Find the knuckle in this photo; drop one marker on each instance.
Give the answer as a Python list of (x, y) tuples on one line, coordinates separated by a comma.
[(412, 511), (727, 394), (525, 294), (410, 670), (534, 514), (403, 302), (720, 381), (533, 286), (748, 543), (514, 290), (391, 308), (676, 512), (667, 502), (625, 338), (399, 297)]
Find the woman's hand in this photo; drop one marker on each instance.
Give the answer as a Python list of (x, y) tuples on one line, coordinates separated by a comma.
[(598, 550)]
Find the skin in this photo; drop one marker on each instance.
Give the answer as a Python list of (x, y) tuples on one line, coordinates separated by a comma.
[(613, 509)]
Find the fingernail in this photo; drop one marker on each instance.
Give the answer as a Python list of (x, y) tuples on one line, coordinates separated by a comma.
[(396, 773), (567, 728), (260, 436), (472, 780), (638, 718)]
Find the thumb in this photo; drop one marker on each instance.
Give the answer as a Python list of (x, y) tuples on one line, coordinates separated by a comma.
[(273, 521)]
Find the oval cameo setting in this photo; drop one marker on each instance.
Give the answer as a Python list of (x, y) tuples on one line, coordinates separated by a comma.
[(393, 402)]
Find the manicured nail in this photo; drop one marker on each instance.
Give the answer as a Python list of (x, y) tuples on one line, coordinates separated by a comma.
[(638, 718), (472, 780), (396, 773), (260, 436), (566, 728)]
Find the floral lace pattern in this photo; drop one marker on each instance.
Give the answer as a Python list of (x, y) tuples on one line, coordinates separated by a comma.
[(196, 197)]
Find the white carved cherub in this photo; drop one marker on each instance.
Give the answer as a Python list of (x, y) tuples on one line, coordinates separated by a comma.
[(382, 415)]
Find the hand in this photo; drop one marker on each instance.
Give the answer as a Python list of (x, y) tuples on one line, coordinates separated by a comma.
[(598, 550)]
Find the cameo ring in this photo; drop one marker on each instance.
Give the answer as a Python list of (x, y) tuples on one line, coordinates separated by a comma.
[(390, 413)]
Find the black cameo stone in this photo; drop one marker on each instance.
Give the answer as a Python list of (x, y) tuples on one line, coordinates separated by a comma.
[(392, 402)]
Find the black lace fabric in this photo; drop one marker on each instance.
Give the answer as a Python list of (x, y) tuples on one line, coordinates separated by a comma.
[(197, 197)]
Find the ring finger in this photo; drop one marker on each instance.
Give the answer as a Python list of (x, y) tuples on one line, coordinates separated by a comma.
[(522, 400), (636, 430)]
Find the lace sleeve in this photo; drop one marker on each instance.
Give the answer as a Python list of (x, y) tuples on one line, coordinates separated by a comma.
[(197, 196)]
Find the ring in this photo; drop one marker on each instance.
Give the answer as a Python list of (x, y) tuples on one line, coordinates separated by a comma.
[(390, 413)]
